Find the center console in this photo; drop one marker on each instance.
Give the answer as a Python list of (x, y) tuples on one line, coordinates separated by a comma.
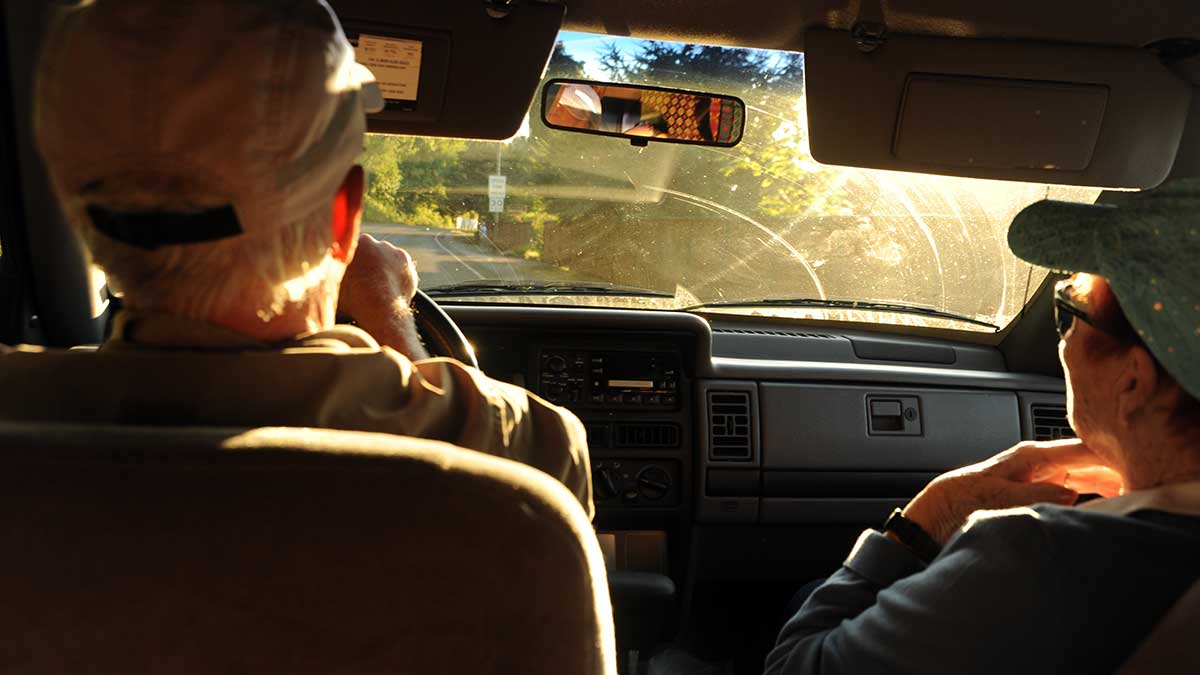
[(630, 377), (631, 405), (636, 407), (601, 380)]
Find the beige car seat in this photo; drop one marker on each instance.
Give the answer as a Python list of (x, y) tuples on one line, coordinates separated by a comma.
[(140, 550)]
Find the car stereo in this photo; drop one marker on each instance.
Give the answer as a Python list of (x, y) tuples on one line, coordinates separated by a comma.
[(642, 380)]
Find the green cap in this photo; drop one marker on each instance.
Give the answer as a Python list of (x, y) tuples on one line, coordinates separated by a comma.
[(1148, 248)]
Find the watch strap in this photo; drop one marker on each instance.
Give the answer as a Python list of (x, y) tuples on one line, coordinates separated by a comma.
[(913, 536)]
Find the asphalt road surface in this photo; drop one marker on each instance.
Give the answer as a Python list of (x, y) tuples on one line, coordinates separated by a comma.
[(449, 256)]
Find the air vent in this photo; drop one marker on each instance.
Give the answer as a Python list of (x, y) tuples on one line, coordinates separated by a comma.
[(1050, 422), (729, 426), (778, 333), (646, 435)]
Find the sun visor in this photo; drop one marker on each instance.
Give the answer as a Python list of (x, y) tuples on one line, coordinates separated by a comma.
[(1036, 112), (458, 69)]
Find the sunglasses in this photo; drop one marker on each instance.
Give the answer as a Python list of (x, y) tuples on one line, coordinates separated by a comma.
[(1066, 310)]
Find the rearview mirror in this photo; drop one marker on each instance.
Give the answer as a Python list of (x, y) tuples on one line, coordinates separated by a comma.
[(643, 114)]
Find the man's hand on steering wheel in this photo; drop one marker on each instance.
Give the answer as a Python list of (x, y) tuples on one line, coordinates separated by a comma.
[(378, 290)]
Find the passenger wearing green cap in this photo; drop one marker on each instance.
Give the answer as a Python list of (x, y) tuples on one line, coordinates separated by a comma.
[(993, 568)]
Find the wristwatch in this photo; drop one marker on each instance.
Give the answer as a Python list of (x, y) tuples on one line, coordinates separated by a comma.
[(913, 536)]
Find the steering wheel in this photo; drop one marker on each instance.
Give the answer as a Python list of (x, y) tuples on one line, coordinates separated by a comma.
[(441, 335), (436, 329)]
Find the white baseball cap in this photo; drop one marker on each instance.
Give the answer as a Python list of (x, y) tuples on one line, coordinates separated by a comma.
[(256, 103)]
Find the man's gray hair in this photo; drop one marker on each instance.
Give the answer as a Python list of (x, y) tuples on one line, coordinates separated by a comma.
[(263, 271)]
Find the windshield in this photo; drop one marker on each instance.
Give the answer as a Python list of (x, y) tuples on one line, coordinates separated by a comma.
[(567, 218)]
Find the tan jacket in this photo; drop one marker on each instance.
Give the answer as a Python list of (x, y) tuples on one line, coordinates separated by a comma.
[(158, 369)]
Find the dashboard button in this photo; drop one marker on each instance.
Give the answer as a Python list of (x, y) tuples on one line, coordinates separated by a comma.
[(653, 482), (670, 399), (607, 484), (653, 399), (612, 397)]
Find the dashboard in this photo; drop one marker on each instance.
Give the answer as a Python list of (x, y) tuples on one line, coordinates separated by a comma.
[(698, 428)]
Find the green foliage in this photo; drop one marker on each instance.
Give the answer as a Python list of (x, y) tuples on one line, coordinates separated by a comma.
[(379, 213), (536, 217), (791, 184), (739, 71), (427, 215), (407, 179), (430, 181)]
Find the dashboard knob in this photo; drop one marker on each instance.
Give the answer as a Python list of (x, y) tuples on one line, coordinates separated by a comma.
[(607, 483), (556, 364), (653, 482)]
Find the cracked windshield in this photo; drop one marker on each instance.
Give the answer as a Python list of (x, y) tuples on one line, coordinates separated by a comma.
[(553, 217)]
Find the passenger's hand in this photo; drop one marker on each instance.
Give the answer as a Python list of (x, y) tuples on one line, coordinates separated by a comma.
[(377, 290), (1028, 473)]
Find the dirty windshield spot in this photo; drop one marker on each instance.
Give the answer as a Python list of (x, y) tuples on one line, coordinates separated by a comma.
[(761, 220)]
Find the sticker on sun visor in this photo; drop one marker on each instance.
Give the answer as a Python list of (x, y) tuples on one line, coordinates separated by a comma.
[(395, 63)]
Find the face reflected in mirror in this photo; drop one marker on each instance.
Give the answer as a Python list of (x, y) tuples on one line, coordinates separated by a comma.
[(637, 112)]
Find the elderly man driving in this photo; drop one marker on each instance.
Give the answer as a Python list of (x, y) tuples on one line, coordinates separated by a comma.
[(993, 568), (205, 152)]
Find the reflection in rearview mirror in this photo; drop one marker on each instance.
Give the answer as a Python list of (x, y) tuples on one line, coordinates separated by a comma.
[(642, 114)]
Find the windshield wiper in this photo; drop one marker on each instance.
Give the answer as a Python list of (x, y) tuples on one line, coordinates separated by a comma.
[(844, 304), (497, 287)]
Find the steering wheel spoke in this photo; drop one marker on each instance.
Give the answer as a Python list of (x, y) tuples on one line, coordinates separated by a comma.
[(442, 336)]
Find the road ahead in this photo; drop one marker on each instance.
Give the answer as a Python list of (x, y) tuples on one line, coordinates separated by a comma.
[(448, 256)]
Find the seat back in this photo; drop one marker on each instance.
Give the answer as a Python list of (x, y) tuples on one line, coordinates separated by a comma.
[(170, 550), (1170, 649)]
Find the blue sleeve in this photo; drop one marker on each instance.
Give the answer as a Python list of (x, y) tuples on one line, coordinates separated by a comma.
[(991, 602)]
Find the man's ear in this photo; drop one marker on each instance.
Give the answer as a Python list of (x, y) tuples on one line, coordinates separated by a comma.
[(347, 214), (1137, 382)]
